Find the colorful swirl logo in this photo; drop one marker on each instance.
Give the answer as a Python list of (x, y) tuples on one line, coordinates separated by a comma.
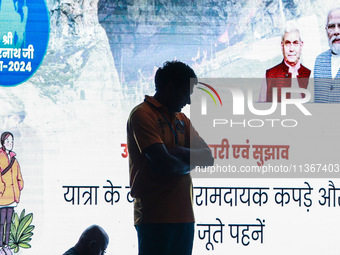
[(209, 93)]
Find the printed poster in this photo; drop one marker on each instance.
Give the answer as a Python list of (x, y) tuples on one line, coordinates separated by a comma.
[(70, 73)]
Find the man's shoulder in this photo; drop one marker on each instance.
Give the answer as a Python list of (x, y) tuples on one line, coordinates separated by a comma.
[(275, 71), (141, 109), (324, 55), (71, 251)]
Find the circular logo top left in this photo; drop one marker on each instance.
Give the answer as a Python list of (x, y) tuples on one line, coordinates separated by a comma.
[(24, 34)]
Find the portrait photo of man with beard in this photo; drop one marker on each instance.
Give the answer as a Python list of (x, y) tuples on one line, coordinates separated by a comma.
[(326, 69)]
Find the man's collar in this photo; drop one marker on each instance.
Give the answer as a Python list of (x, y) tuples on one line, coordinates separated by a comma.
[(154, 102), (296, 67), (333, 53), (335, 56), (293, 69)]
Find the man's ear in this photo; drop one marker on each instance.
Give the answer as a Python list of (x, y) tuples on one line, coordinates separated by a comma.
[(170, 87), (169, 91), (92, 244)]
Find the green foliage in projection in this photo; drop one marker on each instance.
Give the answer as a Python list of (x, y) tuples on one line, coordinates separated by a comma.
[(21, 231)]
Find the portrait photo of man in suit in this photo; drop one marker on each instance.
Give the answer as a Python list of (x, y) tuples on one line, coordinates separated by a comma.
[(290, 73)]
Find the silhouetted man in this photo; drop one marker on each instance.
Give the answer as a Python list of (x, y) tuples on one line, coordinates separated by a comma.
[(93, 241), (161, 141)]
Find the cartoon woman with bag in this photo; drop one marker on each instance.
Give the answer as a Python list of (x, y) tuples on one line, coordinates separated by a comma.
[(11, 184)]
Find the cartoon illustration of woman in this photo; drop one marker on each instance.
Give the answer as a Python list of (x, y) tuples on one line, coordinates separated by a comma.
[(11, 184)]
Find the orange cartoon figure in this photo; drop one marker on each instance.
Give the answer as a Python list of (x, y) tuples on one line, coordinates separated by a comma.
[(11, 184)]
